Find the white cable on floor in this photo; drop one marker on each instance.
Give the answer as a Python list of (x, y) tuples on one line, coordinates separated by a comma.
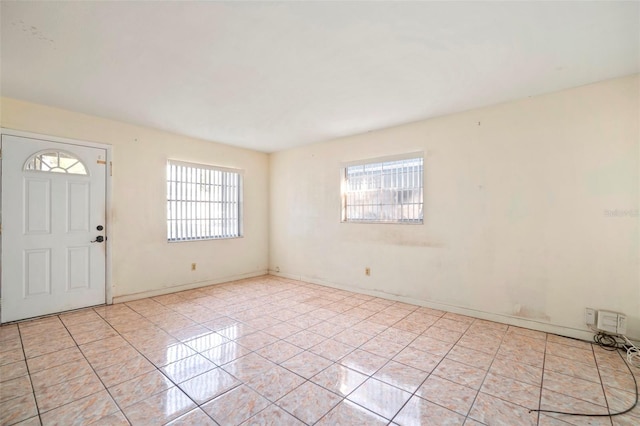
[(633, 353)]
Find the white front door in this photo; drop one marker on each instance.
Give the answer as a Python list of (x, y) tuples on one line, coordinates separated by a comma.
[(53, 227)]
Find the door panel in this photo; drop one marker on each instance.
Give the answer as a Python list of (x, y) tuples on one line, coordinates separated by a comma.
[(50, 213), (78, 268), (79, 209), (37, 206), (37, 272)]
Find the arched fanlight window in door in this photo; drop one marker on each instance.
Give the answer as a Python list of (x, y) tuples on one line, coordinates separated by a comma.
[(55, 162)]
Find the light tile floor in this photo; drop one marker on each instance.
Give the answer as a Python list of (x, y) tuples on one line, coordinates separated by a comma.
[(281, 352)]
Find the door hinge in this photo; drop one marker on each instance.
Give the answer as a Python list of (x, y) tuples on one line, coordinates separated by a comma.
[(110, 168), (101, 162), (0, 154)]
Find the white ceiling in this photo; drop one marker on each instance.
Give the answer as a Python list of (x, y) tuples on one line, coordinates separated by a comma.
[(270, 76)]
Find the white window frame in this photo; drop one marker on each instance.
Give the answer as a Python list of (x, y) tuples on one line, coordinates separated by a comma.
[(193, 196), (345, 218)]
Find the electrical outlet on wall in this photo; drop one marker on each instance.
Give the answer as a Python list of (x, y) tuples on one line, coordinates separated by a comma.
[(367, 271), (193, 266), (622, 324), (590, 316)]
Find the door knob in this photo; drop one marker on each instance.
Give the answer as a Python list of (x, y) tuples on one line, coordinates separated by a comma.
[(98, 239)]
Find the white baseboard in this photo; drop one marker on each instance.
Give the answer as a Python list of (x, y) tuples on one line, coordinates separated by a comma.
[(585, 334), (182, 287)]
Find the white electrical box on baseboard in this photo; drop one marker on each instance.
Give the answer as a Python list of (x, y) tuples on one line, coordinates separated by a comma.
[(611, 322)]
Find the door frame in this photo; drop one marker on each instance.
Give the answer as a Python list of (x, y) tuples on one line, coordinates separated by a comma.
[(68, 141)]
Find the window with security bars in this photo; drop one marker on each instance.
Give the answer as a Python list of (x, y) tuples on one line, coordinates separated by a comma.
[(384, 191), (203, 202)]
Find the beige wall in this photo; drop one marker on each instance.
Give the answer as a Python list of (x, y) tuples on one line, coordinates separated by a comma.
[(515, 225), (143, 261), (515, 228)]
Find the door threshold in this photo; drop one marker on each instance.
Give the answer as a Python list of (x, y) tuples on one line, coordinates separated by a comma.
[(55, 314)]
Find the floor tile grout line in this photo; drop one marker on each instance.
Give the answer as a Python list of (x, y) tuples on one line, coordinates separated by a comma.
[(592, 347), (76, 346), (387, 326), (304, 378), (33, 389), (94, 371), (487, 373), (343, 398), (544, 361), (220, 366), (542, 382), (145, 357), (386, 363), (429, 375), (176, 385), (388, 360), (130, 342), (600, 382), (201, 354), (478, 390), (369, 376)]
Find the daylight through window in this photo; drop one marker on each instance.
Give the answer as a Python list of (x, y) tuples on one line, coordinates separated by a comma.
[(389, 191), (203, 202), (55, 162)]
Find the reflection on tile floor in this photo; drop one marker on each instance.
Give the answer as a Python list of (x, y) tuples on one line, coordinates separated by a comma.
[(271, 351)]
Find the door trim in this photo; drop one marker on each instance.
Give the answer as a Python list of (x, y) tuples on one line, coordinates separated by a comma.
[(107, 148)]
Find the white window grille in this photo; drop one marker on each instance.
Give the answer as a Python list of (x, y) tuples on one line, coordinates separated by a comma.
[(203, 202), (384, 191), (55, 162)]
